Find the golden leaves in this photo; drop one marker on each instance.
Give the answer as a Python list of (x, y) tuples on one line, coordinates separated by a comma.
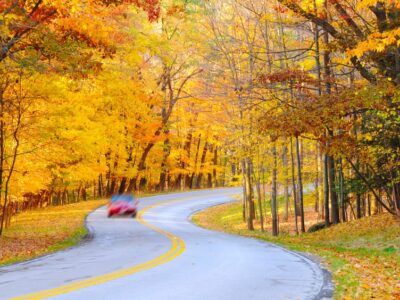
[(376, 42)]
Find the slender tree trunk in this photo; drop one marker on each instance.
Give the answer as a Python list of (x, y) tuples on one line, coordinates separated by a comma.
[(202, 162), (330, 160), (259, 199), (285, 182), (300, 185), (244, 184), (132, 185), (251, 206), (223, 161), (396, 197), (113, 186), (317, 180), (209, 180), (321, 186), (358, 206), (332, 191), (142, 166), (321, 210), (182, 179), (2, 140), (162, 185), (122, 185), (326, 191), (210, 172), (369, 204), (364, 202), (195, 162), (100, 186), (187, 148), (2, 158), (215, 163), (11, 168), (274, 204), (294, 192), (342, 192)]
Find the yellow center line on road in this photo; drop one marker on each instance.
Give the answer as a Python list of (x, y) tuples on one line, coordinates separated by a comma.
[(177, 248)]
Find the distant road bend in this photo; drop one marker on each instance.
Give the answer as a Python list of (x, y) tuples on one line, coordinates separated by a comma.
[(162, 255)]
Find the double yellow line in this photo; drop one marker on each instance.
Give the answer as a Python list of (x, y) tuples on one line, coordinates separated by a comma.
[(177, 248)]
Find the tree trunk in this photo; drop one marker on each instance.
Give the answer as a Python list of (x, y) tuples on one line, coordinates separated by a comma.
[(285, 182), (396, 198), (215, 163), (113, 186), (163, 175), (300, 186), (326, 191), (122, 185), (244, 184), (209, 180), (358, 206), (195, 162), (184, 179), (202, 162), (260, 206), (369, 204), (329, 160), (332, 191), (342, 192), (100, 186), (316, 182), (274, 202), (131, 185), (250, 199), (294, 192), (321, 186)]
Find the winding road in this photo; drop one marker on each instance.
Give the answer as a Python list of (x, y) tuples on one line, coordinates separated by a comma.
[(162, 255)]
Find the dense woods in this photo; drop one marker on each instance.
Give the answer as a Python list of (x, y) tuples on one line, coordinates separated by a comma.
[(316, 86), (285, 98)]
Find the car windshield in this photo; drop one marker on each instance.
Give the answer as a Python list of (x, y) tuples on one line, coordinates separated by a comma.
[(125, 198)]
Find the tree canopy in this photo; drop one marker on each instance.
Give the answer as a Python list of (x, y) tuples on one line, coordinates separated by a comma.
[(101, 97)]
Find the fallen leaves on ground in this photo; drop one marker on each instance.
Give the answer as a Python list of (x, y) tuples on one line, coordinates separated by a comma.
[(37, 232)]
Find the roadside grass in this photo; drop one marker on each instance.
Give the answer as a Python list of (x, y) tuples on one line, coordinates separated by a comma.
[(362, 255), (42, 231)]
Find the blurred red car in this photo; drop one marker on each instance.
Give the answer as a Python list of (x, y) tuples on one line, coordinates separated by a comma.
[(124, 204)]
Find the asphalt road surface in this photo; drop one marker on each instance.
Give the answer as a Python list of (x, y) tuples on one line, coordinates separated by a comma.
[(162, 255)]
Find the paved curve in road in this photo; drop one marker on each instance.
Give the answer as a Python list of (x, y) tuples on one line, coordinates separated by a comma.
[(162, 255)]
